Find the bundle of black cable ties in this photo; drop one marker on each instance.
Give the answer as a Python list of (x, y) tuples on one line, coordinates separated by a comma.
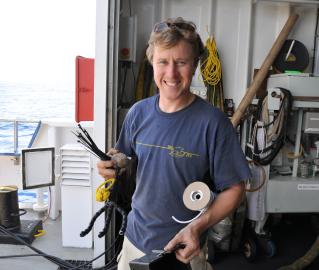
[(87, 142)]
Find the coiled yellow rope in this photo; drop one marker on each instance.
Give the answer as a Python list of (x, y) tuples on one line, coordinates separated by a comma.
[(211, 72), (211, 66)]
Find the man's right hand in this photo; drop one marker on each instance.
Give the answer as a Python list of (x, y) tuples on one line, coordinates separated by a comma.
[(106, 168)]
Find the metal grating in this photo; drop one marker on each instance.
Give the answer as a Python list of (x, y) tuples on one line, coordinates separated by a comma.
[(76, 263)]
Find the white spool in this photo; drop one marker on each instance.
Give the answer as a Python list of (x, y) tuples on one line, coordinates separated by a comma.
[(196, 197)]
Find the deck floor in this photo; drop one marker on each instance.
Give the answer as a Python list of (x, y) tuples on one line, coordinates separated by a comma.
[(293, 236), (50, 243)]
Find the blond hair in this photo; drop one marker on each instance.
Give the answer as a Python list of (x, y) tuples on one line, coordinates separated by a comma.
[(170, 32)]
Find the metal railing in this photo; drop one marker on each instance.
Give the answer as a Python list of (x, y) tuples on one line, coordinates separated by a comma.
[(16, 131)]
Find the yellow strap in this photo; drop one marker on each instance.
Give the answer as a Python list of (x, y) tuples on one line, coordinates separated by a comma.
[(102, 193), (40, 233)]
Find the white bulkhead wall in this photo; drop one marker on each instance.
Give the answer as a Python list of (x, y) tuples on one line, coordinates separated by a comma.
[(244, 31), (269, 18)]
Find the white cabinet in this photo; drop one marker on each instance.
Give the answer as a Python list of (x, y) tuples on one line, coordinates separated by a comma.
[(291, 193), (76, 195)]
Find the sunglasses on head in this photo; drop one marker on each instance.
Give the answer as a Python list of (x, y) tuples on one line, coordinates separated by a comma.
[(161, 26)]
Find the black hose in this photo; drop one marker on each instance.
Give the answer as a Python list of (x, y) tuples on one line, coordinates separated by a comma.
[(109, 206)]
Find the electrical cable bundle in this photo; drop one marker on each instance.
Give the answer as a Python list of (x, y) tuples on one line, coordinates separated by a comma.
[(264, 150), (211, 71)]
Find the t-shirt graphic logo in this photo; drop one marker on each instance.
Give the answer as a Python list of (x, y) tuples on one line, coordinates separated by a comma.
[(176, 152)]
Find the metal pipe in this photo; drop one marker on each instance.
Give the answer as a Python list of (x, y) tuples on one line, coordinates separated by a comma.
[(315, 66), (15, 136), (16, 130)]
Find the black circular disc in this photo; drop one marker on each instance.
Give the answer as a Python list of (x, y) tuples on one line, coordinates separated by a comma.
[(297, 60)]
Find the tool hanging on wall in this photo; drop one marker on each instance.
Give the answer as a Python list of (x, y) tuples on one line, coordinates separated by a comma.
[(211, 72), (293, 56)]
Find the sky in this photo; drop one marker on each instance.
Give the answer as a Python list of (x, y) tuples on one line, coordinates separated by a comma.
[(41, 38)]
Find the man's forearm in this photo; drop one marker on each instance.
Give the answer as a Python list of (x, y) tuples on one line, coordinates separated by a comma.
[(225, 203)]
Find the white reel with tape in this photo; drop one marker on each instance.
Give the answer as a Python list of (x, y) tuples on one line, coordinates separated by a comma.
[(196, 197)]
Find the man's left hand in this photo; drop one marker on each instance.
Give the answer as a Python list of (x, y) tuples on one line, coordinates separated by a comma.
[(189, 237)]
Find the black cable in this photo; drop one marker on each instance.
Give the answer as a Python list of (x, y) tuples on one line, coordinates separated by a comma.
[(60, 262), (279, 142), (26, 255), (123, 84), (272, 150), (85, 139), (134, 77), (88, 136), (315, 42), (91, 224), (109, 205), (111, 268), (97, 257), (108, 218), (55, 260), (105, 267), (130, 6)]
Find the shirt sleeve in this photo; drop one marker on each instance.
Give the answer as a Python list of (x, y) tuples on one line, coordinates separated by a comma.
[(228, 163)]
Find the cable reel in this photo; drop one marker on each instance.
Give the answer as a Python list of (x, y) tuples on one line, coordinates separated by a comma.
[(293, 56)]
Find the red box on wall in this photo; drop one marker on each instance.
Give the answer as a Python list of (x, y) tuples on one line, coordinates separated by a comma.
[(84, 99)]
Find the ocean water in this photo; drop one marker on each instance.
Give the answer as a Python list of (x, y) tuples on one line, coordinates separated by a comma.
[(33, 102)]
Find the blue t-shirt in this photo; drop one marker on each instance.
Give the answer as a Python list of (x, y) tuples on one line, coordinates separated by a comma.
[(174, 150)]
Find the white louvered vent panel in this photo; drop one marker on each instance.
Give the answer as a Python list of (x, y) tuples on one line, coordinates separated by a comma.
[(76, 158), (76, 170), (75, 166)]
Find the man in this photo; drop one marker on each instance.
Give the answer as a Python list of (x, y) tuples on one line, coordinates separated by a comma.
[(178, 138)]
